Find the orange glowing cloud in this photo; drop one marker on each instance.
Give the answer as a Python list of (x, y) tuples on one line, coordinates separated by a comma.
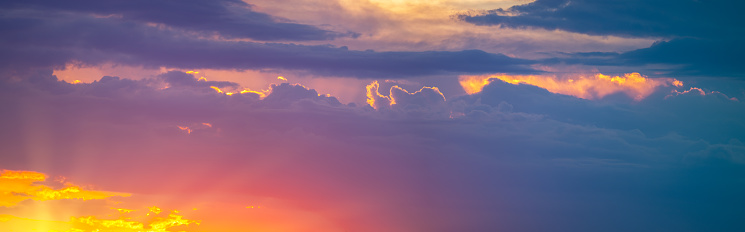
[(592, 86), (216, 89), (262, 94), (196, 127), (185, 128), (18, 186), (125, 223)]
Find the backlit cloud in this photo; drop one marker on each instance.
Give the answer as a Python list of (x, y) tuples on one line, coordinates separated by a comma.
[(401, 98), (304, 157), (587, 86), (222, 116)]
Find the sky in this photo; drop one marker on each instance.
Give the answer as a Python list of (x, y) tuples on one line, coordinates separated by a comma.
[(371, 115)]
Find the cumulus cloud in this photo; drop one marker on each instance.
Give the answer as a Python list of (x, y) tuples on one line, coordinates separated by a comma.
[(425, 102), (515, 154), (516, 150)]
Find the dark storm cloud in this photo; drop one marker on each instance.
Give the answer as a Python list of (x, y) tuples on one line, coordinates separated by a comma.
[(57, 39), (720, 57), (679, 57), (228, 18), (702, 37), (705, 115), (635, 18)]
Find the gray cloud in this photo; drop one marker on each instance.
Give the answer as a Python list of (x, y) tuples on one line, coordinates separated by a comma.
[(228, 18), (698, 37), (637, 18), (54, 40)]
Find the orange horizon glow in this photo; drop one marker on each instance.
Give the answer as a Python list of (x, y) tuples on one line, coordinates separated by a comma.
[(585, 86), (137, 213), (18, 186)]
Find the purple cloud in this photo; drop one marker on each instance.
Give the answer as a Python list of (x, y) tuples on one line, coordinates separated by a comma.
[(227, 18), (91, 41)]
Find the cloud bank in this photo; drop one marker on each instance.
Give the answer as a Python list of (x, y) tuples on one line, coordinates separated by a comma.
[(512, 152)]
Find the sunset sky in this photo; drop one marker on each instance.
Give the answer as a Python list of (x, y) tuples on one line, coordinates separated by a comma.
[(372, 115)]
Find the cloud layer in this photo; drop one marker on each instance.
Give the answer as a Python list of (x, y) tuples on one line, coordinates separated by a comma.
[(226, 18), (511, 152), (547, 143), (57, 38)]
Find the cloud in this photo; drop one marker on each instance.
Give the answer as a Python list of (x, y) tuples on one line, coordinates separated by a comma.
[(637, 18), (661, 112), (90, 40), (226, 18), (18, 186), (694, 38), (426, 102), (285, 94), (699, 91), (126, 223), (516, 150), (698, 57), (586, 86), (509, 157)]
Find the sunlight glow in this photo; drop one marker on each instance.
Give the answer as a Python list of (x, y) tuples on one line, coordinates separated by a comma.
[(127, 224), (593, 86), (18, 186), (374, 98), (377, 100), (216, 89), (262, 94)]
